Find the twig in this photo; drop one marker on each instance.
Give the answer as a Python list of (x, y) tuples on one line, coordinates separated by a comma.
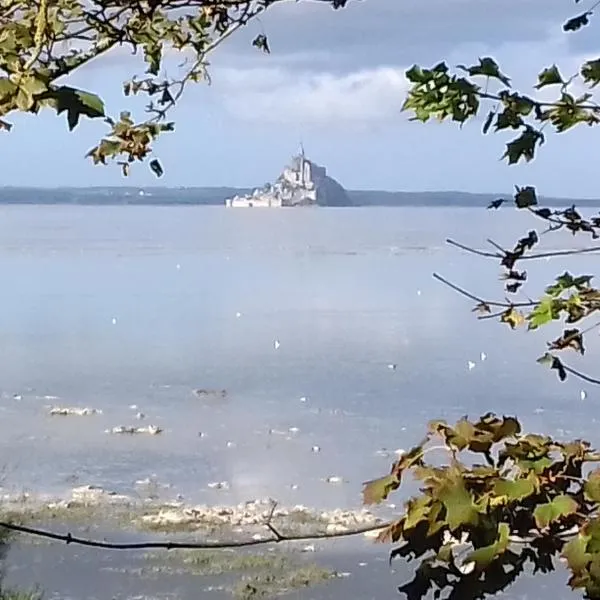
[(480, 300), (526, 256), (591, 107), (68, 538), (473, 250), (497, 246), (582, 376), (269, 524)]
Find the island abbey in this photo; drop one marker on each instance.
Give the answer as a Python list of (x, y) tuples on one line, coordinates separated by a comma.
[(301, 183)]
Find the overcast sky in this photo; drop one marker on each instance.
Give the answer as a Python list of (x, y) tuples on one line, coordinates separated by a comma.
[(335, 80)]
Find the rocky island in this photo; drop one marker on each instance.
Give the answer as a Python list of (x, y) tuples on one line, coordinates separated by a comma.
[(301, 183)]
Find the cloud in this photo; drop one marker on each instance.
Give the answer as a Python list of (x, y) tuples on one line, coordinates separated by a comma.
[(300, 89), (279, 95), (369, 31)]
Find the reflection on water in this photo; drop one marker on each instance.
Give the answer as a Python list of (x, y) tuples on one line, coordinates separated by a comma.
[(120, 306)]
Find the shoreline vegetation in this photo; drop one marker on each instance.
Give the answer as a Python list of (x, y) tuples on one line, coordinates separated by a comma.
[(266, 571), (215, 196)]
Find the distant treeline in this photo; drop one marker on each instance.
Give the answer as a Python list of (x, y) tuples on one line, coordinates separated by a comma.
[(215, 196)]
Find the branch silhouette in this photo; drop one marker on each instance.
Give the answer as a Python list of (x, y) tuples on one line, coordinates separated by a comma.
[(278, 537), (480, 300), (537, 255), (511, 305)]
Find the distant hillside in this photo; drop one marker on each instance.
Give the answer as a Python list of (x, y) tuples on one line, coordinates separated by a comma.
[(215, 196), (462, 199)]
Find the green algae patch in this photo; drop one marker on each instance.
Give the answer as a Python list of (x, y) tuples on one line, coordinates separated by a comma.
[(245, 574), (270, 585), (15, 594)]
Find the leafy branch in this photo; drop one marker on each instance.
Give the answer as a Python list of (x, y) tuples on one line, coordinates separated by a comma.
[(514, 499), (570, 299), (441, 94), (42, 43)]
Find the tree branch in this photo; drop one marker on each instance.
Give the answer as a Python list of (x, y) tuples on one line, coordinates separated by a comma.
[(580, 375), (68, 538), (480, 300), (538, 255), (558, 104)]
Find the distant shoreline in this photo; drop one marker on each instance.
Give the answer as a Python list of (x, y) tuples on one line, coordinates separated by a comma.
[(215, 196)]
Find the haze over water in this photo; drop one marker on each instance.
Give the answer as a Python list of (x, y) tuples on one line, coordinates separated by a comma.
[(109, 307)]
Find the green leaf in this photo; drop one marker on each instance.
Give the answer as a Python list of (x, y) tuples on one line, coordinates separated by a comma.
[(153, 56), (590, 71), (415, 74), (523, 146), (458, 502), (574, 552), (377, 490), (483, 557), (7, 88), (566, 281), (577, 22), (561, 506), (514, 490), (262, 43), (156, 167), (549, 76), (525, 197), (417, 510), (591, 488), (547, 310), (76, 103), (489, 68)]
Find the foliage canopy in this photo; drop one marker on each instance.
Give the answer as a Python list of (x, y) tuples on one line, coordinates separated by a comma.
[(498, 502), (483, 90), (42, 42)]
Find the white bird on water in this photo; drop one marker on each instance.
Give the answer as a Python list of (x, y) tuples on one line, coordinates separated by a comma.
[(276, 344), (483, 356), (471, 365), (583, 394), (392, 366)]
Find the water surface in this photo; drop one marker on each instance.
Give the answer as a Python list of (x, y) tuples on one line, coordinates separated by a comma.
[(111, 307)]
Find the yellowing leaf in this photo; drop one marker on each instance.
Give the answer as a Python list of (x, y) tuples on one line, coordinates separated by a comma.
[(377, 490), (561, 506), (574, 552), (512, 317)]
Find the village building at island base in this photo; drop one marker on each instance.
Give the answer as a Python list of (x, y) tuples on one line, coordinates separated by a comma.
[(302, 183)]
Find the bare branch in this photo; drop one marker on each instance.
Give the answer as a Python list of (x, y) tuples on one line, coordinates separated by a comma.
[(581, 375), (68, 538), (473, 250), (480, 300), (538, 255)]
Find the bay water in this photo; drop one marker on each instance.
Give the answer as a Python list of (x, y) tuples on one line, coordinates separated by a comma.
[(324, 326)]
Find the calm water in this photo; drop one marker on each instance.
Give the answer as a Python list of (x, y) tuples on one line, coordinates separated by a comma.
[(344, 291)]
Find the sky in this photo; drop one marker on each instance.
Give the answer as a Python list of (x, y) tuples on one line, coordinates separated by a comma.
[(335, 81)]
